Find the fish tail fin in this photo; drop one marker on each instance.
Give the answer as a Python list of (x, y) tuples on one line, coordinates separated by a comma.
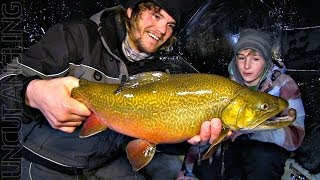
[(213, 147), (140, 153), (92, 126)]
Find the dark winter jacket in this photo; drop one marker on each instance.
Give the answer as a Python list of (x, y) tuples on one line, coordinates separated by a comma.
[(75, 49)]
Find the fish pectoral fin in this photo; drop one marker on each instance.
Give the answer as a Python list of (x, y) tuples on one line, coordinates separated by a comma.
[(213, 146), (92, 126), (140, 153)]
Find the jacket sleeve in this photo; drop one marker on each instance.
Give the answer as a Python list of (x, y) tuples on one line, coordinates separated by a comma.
[(46, 59), (289, 137)]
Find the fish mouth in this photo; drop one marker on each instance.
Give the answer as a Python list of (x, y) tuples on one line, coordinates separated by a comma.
[(275, 122)]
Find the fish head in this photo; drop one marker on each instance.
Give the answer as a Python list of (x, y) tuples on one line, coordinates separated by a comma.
[(248, 109)]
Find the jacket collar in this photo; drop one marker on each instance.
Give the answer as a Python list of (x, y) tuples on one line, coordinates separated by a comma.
[(113, 29)]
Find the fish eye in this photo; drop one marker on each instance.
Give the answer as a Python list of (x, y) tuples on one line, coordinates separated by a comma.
[(264, 106)]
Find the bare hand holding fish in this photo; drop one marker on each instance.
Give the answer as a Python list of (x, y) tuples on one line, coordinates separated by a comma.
[(61, 111)]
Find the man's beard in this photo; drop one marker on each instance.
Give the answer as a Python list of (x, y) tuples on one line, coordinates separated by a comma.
[(143, 49)]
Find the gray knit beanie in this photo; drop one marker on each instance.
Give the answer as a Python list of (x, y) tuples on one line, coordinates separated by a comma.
[(253, 39)]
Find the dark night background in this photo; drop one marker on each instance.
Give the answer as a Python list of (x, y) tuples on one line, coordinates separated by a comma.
[(207, 39)]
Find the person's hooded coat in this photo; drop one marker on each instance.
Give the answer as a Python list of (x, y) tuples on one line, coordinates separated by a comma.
[(274, 82)]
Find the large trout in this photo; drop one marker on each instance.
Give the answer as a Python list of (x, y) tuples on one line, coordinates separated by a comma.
[(157, 108)]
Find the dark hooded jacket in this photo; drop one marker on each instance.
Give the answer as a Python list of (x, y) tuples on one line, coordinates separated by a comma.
[(76, 49)]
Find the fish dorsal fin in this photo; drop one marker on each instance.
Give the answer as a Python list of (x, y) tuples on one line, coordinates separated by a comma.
[(142, 79), (140, 153), (92, 126), (212, 148)]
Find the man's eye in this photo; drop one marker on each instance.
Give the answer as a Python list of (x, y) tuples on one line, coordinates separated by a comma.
[(156, 16), (171, 25), (241, 58)]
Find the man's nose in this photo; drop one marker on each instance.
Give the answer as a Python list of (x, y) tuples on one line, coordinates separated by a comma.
[(162, 27)]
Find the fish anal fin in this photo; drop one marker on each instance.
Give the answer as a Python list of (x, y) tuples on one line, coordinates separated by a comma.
[(213, 146), (92, 126), (140, 153)]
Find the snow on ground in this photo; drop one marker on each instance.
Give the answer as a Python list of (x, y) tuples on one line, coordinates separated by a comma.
[(293, 171)]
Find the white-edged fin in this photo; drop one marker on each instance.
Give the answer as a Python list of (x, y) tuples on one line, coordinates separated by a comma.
[(92, 126)]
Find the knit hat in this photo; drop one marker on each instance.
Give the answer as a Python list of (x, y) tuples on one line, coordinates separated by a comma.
[(172, 7), (253, 39)]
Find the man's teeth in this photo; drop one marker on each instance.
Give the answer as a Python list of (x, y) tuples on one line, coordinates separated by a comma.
[(153, 36)]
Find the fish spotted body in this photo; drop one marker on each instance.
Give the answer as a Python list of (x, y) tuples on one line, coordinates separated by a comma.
[(157, 108)]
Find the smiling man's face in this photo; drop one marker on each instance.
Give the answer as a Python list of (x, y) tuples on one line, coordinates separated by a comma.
[(151, 30)]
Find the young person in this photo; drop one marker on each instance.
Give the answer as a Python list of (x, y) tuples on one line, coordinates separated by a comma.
[(258, 155), (107, 48)]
